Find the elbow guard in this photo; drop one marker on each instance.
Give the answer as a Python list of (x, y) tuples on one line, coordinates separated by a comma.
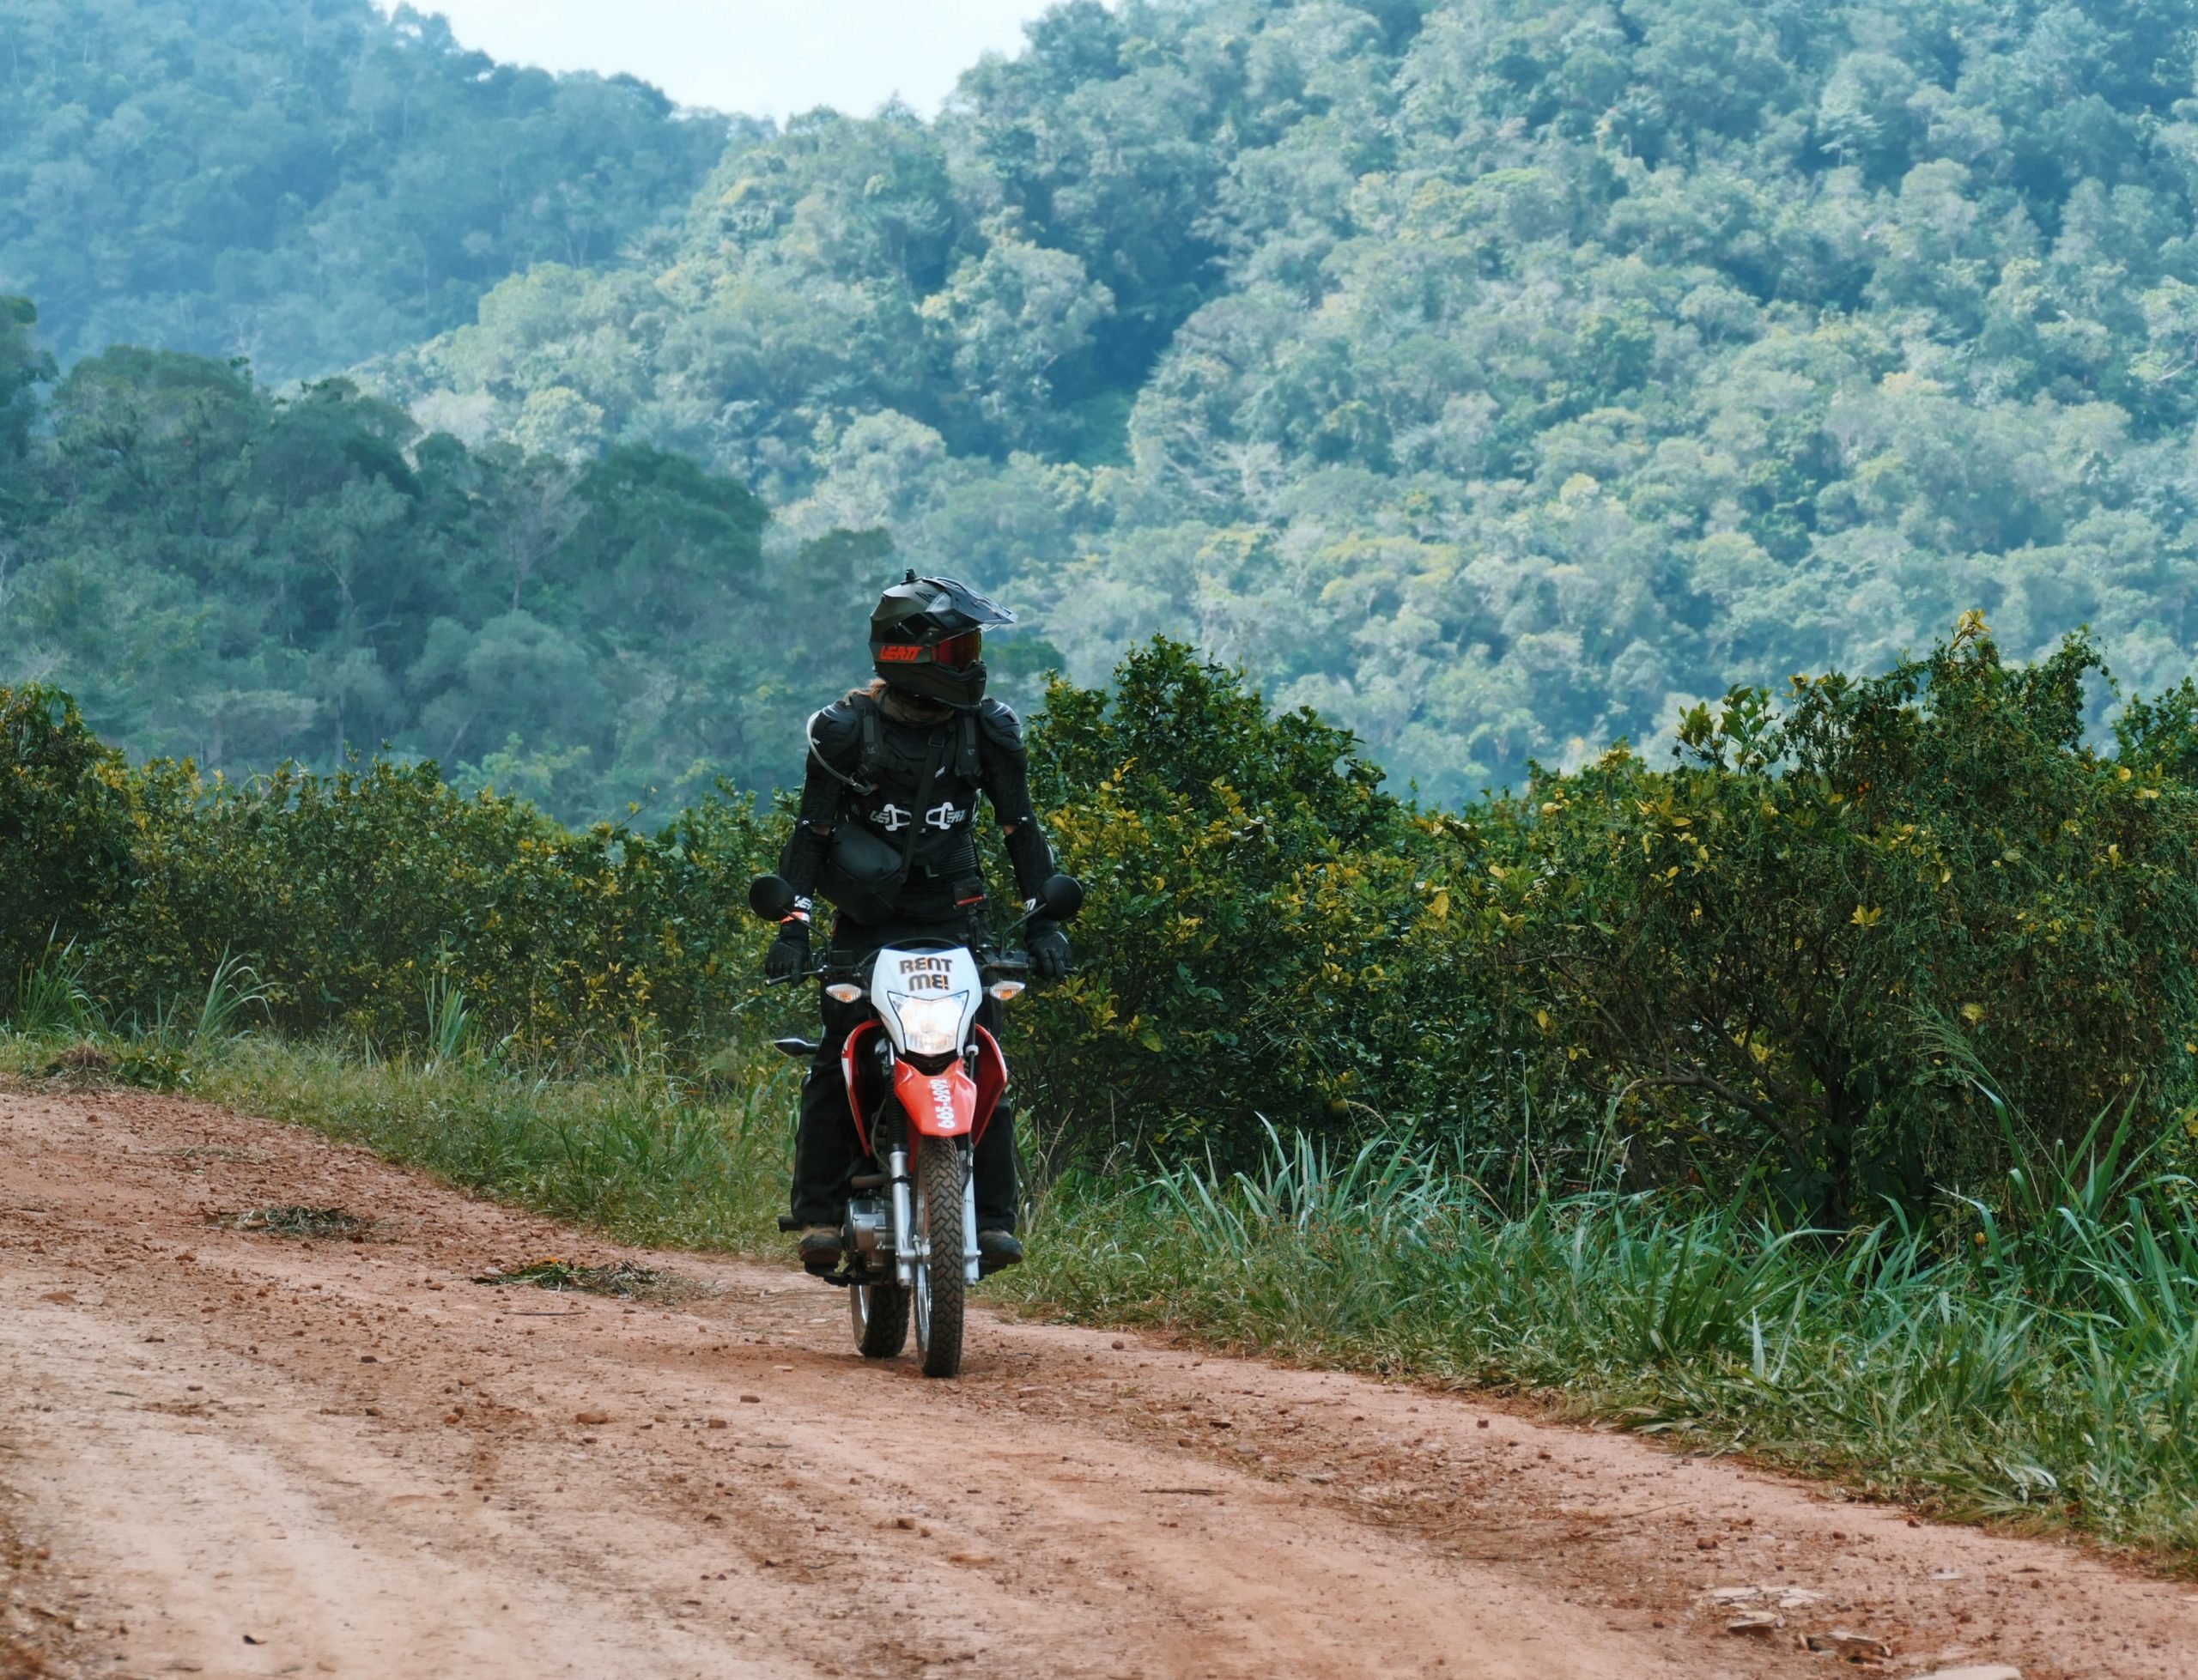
[(1032, 857)]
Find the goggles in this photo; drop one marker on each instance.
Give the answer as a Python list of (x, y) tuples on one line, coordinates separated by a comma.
[(961, 652)]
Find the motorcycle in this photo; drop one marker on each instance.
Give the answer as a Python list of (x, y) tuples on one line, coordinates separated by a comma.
[(922, 1080)]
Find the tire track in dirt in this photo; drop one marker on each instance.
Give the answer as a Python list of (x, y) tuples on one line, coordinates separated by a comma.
[(251, 1455)]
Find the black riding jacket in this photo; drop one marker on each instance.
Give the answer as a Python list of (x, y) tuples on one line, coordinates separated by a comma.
[(865, 767)]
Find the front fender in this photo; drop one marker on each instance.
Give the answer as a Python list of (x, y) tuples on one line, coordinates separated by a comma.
[(938, 1105)]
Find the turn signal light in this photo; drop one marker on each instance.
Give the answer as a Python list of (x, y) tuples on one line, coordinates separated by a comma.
[(1004, 990), (844, 991)]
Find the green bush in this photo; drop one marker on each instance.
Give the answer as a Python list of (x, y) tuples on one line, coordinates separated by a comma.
[(1872, 940), (1869, 938), (1857, 935), (66, 833), (1252, 945), (367, 900)]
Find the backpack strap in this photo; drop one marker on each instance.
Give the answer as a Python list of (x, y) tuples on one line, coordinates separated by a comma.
[(872, 764), (934, 763), (970, 762)]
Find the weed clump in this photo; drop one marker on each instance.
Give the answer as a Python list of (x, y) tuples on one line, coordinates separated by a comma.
[(334, 1224), (81, 1066), (619, 1278)]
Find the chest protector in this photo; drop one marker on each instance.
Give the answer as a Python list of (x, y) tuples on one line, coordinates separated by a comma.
[(889, 791), (907, 813)]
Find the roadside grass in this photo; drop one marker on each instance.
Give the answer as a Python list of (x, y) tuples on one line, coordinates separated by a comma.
[(2030, 1355), (639, 1155)]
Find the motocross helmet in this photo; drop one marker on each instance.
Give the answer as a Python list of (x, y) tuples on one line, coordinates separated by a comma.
[(927, 635)]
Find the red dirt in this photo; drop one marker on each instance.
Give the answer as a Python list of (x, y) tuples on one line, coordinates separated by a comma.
[(231, 1453)]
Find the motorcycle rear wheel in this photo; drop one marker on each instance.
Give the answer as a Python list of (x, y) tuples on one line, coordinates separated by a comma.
[(879, 1312), (941, 1280)]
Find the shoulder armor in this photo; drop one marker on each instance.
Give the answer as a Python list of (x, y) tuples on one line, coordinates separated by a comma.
[(835, 732), (1001, 727)]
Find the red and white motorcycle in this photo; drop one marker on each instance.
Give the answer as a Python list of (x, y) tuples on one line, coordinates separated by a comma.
[(923, 1078)]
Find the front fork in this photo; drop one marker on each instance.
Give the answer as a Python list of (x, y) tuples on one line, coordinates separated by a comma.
[(970, 1267), (911, 1246), (907, 1251)]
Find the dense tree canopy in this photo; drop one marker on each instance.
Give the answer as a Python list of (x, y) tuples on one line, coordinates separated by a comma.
[(1498, 376), (304, 182), (218, 572)]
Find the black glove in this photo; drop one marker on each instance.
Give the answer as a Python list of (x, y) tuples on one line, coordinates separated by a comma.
[(1048, 949), (789, 953)]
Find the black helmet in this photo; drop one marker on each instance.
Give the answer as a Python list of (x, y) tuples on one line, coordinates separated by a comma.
[(925, 637)]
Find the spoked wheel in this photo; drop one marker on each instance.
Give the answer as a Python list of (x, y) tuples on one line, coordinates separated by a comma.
[(941, 1280), (880, 1314)]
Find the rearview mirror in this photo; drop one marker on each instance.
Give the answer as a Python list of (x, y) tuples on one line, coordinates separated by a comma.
[(771, 898), (1060, 898)]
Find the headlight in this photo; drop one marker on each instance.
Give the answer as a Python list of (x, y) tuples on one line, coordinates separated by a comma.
[(930, 1026)]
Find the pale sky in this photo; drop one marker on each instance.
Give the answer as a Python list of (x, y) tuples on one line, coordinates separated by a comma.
[(769, 58)]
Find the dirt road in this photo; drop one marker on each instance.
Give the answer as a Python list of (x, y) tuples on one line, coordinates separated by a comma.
[(234, 1454)]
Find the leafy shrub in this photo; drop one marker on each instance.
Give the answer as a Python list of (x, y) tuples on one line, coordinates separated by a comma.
[(1254, 944), (1854, 937), (1847, 932), (1874, 938), (65, 827), (366, 899)]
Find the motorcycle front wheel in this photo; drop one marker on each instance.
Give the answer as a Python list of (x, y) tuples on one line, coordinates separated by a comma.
[(880, 1315), (941, 1278)]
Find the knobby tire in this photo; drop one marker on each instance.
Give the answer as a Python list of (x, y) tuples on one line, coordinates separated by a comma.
[(940, 1167), (880, 1312)]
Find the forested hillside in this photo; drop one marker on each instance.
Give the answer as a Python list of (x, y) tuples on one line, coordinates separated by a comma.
[(303, 182), (220, 572), (1494, 374), (1496, 378)]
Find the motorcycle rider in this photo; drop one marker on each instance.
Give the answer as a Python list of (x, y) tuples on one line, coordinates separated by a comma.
[(886, 832)]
